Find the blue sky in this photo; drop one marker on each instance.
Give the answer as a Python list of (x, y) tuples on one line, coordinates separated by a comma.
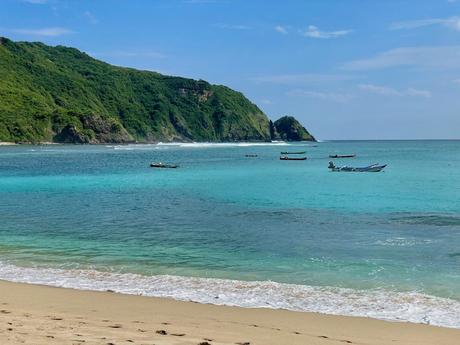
[(346, 69)]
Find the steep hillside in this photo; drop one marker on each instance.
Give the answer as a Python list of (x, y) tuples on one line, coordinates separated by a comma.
[(61, 94)]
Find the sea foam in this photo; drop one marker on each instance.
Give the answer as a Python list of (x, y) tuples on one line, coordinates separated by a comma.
[(381, 304)]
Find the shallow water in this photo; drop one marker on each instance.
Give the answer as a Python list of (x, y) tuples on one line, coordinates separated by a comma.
[(384, 244)]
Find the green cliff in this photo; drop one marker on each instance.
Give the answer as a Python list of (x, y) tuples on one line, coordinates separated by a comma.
[(289, 129), (63, 95)]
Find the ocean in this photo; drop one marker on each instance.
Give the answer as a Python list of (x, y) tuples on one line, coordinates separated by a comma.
[(228, 229)]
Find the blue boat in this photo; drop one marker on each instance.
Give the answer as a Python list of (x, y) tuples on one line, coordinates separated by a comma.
[(369, 168)]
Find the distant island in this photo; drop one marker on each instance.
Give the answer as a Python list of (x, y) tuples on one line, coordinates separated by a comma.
[(59, 94)]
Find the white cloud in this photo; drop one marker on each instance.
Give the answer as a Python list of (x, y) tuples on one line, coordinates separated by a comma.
[(302, 78), (48, 32), (281, 29), (388, 91), (233, 27), (418, 93), (443, 57), (313, 32), (325, 96), (380, 90), (451, 22), (90, 17)]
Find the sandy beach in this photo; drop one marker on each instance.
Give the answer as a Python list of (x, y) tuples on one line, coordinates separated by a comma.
[(31, 314)]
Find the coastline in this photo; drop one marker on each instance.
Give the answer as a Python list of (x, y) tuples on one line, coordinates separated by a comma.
[(38, 314)]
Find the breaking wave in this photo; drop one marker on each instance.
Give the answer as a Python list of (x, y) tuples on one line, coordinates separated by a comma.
[(381, 304)]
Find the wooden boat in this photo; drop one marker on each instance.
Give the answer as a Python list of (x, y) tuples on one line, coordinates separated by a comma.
[(286, 158), (293, 153), (370, 168), (342, 156), (163, 165)]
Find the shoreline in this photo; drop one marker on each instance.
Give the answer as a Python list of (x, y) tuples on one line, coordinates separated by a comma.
[(38, 314), (377, 304)]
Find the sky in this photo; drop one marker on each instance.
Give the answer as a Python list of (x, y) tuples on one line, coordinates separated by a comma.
[(347, 69)]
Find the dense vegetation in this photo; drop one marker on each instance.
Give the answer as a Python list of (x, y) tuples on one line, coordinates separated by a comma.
[(289, 129), (61, 94)]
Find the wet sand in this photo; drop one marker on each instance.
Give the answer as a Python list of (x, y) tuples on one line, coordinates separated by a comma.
[(32, 314)]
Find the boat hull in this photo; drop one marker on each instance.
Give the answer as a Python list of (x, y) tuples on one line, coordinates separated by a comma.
[(342, 156), (163, 166), (293, 158), (371, 168)]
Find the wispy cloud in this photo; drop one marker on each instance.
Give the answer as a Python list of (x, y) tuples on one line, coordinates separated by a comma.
[(388, 91), (325, 96), (444, 57), (302, 78), (36, 2), (46, 32), (313, 32), (90, 17), (130, 54), (281, 29), (456, 81), (233, 27), (451, 22), (266, 101)]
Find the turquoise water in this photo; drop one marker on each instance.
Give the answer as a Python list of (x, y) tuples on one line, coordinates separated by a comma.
[(370, 244)]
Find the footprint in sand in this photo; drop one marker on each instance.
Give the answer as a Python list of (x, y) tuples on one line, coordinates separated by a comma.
[(162, 332), (115, 326)]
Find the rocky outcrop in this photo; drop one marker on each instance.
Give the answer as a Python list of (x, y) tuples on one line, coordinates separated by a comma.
[(289, 129)]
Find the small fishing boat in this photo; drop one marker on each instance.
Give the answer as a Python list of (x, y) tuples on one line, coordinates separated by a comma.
[(163, 165), (293, 153), (251, 155), (342, 156), (286, 158), (370, 168)]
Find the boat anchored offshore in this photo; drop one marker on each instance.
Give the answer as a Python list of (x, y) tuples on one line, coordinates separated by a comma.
[(163, 165), (286, 158), (293, 153), (370, 168), (342, 156)]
